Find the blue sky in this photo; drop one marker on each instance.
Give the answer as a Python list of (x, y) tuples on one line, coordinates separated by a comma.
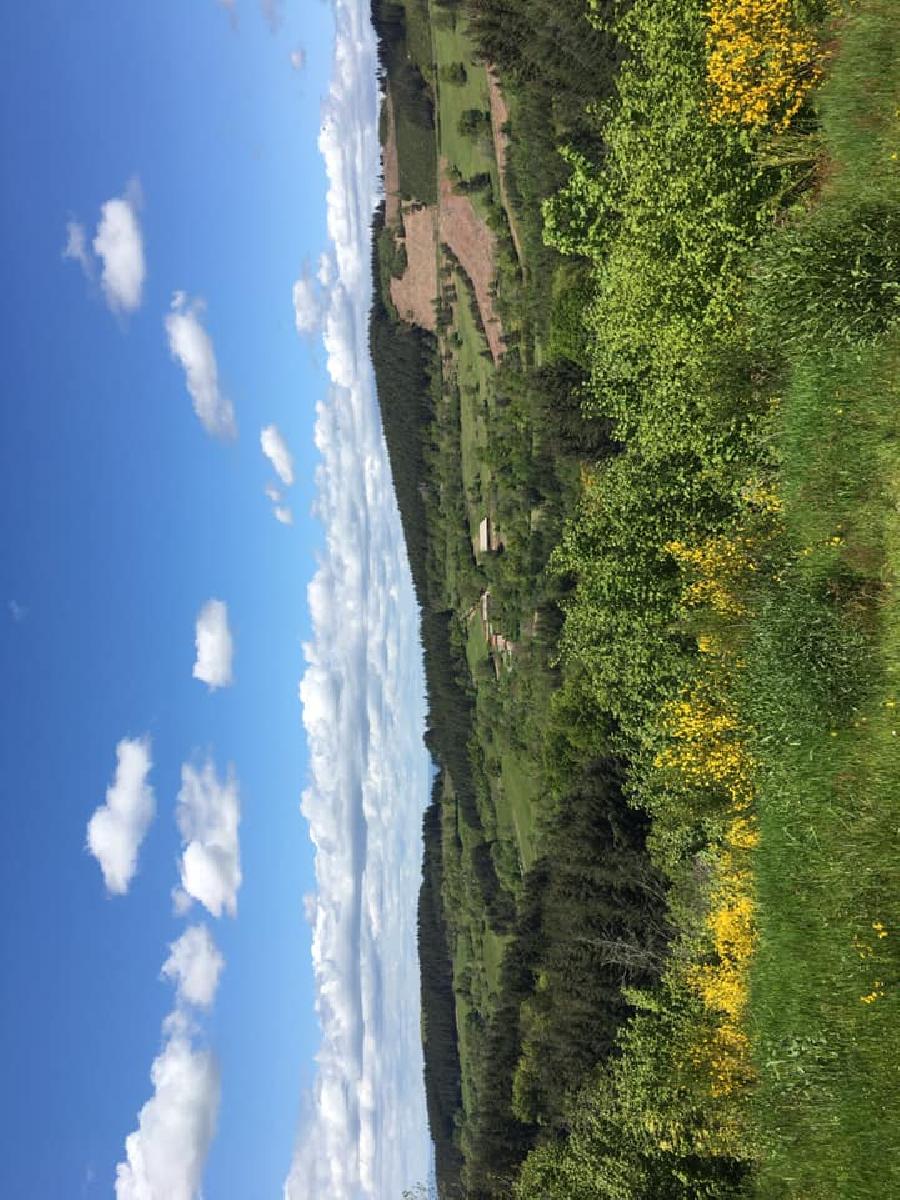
[(121, 517)]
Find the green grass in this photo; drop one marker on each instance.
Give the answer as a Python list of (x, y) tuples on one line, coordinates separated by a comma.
[(518, 803), (828, 866), (471, 156), (476, 645), (418, 34), (824, 670), (860, 104), (475, 388)]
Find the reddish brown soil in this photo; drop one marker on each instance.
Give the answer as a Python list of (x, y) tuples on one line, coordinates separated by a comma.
[(473, 243), (391, 167), (415, 293)]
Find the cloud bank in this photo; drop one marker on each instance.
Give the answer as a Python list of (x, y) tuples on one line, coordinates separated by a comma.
[(190, 345), (366, 1132), (117, 828), (215, 646), (276, 451), (208, 813), (194, 966)]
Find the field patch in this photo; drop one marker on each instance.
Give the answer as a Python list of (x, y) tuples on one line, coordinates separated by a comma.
[(414, 293), (474, 247), (391, 165)]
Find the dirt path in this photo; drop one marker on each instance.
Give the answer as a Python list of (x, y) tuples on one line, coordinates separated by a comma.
[(415, 292), (473, 244), (499, 118)]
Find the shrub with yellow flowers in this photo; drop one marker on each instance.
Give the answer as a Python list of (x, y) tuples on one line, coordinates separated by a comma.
[(706, 747), (760, 63), (717, 566), (722, 982)]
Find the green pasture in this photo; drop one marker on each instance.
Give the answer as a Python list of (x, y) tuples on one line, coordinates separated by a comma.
[(471, 156), (824, 670)]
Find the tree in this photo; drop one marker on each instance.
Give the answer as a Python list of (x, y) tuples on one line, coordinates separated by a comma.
[(473, 122), (454, 73)]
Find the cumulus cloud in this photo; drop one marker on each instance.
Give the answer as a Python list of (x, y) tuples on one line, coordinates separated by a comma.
[(208, 814), (191, 345), (120, 248), (165, 1155), (276, 451), (117, 250), (117, 827), (194, 966), (298, 58), (307, 306), (365, 1135), (215, 646)]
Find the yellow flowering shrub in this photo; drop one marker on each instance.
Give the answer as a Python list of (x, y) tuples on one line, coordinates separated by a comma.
[(722, 984), (706, 747), (717, 566), (760, 65)]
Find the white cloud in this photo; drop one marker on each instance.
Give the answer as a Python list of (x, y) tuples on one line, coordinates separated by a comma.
[(194, 966), (365, 1135), (272, 493), (298, 58), (307, 306), (276, 451), (117, 828), (165, 1155), (215, 646), (76, 247), (120, 247), (208, 814), (191, 345)]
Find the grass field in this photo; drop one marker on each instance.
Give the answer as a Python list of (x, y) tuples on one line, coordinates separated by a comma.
[(475, 392), (825, 994), (518, 804), (471, 156), (825, 989)]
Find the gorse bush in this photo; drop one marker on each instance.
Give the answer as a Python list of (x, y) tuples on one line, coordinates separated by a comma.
[(760, 63)]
